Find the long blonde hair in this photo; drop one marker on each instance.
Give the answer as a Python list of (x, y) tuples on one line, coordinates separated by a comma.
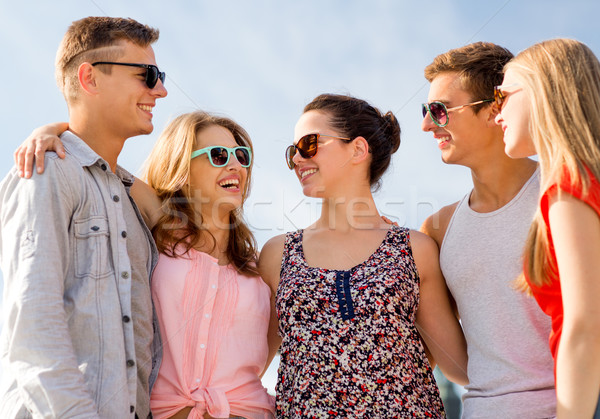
[(562, 79), (167, 171)]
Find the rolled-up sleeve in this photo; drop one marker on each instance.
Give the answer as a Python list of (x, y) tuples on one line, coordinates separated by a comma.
[(36, 216)]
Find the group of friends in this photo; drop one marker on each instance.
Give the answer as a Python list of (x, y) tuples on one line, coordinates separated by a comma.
[(139, 298)]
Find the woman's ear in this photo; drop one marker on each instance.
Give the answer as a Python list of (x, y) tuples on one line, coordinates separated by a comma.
[(361, 149)]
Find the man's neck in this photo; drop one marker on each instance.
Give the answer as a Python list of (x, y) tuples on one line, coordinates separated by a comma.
[(106, 144), (497, 183)]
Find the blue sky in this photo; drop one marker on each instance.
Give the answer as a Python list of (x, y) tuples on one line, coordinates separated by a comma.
[(260, 62)]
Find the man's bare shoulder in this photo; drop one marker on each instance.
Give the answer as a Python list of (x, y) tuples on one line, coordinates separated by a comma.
[(435, 225)]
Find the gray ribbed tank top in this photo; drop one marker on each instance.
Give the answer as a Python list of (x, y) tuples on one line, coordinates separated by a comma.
[(510, 367)]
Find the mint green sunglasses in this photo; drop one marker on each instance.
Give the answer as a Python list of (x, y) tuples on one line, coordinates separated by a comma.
[(219, 155)]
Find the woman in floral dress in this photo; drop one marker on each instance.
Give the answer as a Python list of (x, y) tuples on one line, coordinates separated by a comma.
[(353, 295)]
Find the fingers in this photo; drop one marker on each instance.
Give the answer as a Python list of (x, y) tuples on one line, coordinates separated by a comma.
[(387, 220), (28, 160), (39, 159), (19, 157), (33, 150), (60, 150)]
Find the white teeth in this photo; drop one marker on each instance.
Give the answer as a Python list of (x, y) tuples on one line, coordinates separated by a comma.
[(146, 108), (229, 182), (308, 172), (442, 139)]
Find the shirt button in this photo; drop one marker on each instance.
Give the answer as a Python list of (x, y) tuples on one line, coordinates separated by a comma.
[(116, 198), (207, 315), (123, 234), (126, 319), (202, 345), (213, 286), (131, 409), (124, 274), (197, 380), (130, 362)]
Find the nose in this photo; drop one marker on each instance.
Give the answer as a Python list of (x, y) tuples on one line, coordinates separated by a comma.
[(233, 164), (427, 124), (498, 119), (159, 90), (297, 158)]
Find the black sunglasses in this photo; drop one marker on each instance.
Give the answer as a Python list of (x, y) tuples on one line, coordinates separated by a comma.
[(439, 113), (153, 74), (307, 147)]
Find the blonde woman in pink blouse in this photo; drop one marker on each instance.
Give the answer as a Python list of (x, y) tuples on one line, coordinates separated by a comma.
[(212, 306)]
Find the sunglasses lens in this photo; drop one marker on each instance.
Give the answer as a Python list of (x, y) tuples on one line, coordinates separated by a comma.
[(290, 152), (498, 97), (219, 156), (243, 156), (307, 145), (152, 76), (438, 113), (424, 110)]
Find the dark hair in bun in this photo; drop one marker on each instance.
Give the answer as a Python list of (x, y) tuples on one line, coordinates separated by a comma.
[(353, 118)]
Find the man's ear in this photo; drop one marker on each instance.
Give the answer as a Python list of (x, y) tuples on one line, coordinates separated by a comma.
[(361, 149), (492, 111), (87, 78)]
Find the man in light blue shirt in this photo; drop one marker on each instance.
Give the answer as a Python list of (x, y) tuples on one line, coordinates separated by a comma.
[(80, 332)]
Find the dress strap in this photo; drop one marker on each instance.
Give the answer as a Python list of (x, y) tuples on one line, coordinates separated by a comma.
[(292, 249)]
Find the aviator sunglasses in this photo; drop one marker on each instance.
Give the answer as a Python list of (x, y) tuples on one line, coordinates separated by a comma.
[(307, 147), (219, 155), (439, 113), (153, 74), (500, 96)]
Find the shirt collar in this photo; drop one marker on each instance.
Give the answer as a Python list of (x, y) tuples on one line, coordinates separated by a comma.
[(87, 157)]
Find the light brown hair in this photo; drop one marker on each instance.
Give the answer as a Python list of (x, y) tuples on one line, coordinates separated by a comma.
[(479, 66), (167, 171), (89, 40), (561, 78)]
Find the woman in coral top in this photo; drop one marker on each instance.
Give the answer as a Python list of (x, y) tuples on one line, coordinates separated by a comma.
[(212, 306), (550, 105)]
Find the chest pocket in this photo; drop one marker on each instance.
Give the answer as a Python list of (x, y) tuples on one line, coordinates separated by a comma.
[(92, 248)]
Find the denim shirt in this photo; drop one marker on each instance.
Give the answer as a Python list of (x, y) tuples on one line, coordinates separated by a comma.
[(67, 345)]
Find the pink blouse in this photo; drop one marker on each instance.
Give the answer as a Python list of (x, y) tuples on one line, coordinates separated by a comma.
[(213, 324)]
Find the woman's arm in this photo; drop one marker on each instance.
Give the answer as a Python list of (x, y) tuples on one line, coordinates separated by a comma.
[(46, 138), (575, 228), (269, 266), (42, 139), (147, 201), (436, 320)]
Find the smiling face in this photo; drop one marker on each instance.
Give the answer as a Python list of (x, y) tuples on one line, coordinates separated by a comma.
[(216, 190), (323, 174), (124, 99), (466, 131), (514, 118)]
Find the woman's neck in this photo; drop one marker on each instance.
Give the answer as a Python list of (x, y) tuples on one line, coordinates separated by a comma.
[(219, 228), (345, 214)]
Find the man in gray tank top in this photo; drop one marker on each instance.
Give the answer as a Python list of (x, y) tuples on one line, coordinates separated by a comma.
[(481, 240)]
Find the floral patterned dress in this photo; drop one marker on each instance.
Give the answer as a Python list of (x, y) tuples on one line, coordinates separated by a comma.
[(350, 346)]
